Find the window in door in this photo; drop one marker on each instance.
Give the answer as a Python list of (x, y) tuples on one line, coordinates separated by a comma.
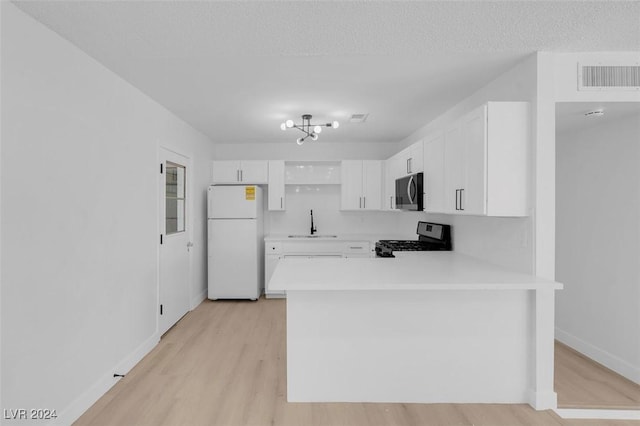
[(175, 198)]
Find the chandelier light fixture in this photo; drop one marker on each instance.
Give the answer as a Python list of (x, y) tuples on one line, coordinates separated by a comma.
[(309, 130)]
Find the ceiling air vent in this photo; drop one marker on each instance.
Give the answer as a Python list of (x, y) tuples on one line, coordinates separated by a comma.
[(358, 118), (608, 77)]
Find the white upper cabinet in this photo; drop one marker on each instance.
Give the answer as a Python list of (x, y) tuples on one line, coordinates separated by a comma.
[(276, 187), (254, 171), (473, 132), (411, 159), (393, 169), (416, 158), (434, 193), (225, 172), (371, 184), (351, 185), (361, 185), (486, 161), (235, 171), (453, 167)]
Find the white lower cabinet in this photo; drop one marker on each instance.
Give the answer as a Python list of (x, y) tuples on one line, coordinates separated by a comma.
[(270, 262), (357, 249), (291, 249)]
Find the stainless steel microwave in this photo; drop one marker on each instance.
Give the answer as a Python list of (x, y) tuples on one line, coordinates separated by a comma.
[(409, 192)]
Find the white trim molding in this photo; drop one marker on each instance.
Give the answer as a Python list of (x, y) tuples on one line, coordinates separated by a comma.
[(198, 299), (543, 400), (82, 403), (576, 413), (620, 366)]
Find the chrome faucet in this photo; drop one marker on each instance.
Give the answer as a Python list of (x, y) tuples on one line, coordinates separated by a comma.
[(313, 228)]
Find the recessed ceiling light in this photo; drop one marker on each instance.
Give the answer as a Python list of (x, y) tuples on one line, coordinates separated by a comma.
[(595, 113), (358, 118)]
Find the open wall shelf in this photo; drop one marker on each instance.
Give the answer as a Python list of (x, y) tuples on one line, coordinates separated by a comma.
[(312, 173)]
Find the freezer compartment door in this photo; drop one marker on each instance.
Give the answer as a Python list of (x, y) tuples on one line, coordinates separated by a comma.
[(233, 267), (234, 201)]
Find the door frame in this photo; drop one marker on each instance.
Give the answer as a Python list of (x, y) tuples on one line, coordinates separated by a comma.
[(162, 152)]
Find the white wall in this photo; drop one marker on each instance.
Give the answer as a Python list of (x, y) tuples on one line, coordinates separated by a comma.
[(309, 151), (79, 219), (598, 243), (504, 241)]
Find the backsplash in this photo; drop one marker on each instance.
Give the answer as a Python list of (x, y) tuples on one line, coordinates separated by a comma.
[(327, 217)]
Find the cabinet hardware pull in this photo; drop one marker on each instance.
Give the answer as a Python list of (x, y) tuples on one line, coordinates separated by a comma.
[(238, 175), (281, 202), (391, 202), (360, 203), (407, 166), (457, 199), (364, 202), (461, 194), (241, 178)]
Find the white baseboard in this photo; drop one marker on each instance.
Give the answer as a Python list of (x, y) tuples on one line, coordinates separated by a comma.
[(599, 355), (542, 400), (572, 413), (198, 299), (274, 296), (82, 403)]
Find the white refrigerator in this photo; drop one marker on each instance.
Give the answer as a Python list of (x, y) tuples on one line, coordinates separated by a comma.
[(235, 246)]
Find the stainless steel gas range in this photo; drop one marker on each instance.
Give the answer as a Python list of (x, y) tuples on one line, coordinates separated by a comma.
[(431, 237)]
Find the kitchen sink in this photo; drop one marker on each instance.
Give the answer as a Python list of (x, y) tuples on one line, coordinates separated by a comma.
[(313, 236)]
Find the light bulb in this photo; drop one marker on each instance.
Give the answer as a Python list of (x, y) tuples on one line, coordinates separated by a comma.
[(317, 129), (283, 126), (335, 124), (299, 141), (314, 136), (289, 123)]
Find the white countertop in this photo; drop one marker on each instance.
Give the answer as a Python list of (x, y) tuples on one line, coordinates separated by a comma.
[(407, 271)]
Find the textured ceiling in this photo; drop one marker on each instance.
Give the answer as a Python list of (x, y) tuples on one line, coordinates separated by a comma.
[(236, 69)]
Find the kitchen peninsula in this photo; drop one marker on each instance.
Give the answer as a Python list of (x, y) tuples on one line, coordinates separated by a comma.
[(424, 327)]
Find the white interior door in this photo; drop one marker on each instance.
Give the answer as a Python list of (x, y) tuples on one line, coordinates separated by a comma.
[(174, 239)]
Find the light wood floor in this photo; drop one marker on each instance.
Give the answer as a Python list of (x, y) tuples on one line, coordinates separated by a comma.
[(225, 364), (582, 383)]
